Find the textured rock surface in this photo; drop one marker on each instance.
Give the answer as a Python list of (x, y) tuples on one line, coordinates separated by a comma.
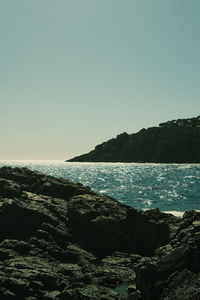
[(60, 240)]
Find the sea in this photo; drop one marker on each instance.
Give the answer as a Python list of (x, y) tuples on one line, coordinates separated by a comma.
[(172, 188)]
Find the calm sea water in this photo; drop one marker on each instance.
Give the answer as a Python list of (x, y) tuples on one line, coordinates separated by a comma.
[(170, 187)]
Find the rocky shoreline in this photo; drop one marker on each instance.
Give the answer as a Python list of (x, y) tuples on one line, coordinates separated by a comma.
[(60, 240)]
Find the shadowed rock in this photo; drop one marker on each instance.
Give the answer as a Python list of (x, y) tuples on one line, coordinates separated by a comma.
[(60, 240), (104, 226)]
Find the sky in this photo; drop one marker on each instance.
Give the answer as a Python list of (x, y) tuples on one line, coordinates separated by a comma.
[(75, 73)]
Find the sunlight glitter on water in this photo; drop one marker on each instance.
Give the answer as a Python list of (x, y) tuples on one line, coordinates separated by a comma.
[(170, 187)]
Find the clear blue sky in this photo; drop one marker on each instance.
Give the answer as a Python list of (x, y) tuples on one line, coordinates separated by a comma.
[(75, 73)]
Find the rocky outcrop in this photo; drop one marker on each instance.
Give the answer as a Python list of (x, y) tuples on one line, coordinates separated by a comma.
[(176, 141), (60, 240)]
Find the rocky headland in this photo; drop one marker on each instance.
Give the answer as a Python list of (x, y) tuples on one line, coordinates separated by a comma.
[(176, 141), (60, 240)]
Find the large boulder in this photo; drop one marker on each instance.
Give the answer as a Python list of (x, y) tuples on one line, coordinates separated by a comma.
[(103, 225)]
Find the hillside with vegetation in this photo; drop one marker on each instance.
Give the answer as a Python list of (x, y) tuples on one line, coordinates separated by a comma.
[(176, 141)]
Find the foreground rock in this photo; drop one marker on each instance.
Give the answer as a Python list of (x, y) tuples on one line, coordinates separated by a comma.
[(174, 141), (60, 240)]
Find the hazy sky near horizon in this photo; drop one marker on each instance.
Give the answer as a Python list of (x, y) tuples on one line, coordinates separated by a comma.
[(75, 73)]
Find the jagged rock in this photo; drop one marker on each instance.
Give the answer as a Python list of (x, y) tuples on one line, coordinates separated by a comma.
[(42, 184), (115, 226), (60, 240), (170, 263)]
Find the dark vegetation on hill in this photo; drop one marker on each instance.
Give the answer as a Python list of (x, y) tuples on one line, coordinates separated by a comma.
[(176, 141), (59, 240)]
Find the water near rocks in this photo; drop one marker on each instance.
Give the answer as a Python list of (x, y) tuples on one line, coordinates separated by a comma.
[(170, 187)]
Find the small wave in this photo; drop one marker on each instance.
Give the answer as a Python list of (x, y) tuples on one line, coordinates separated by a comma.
[(143, 186), (103, 191), (177, 213)]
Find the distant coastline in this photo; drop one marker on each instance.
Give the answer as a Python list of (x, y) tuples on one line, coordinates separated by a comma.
[(176, 141)]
